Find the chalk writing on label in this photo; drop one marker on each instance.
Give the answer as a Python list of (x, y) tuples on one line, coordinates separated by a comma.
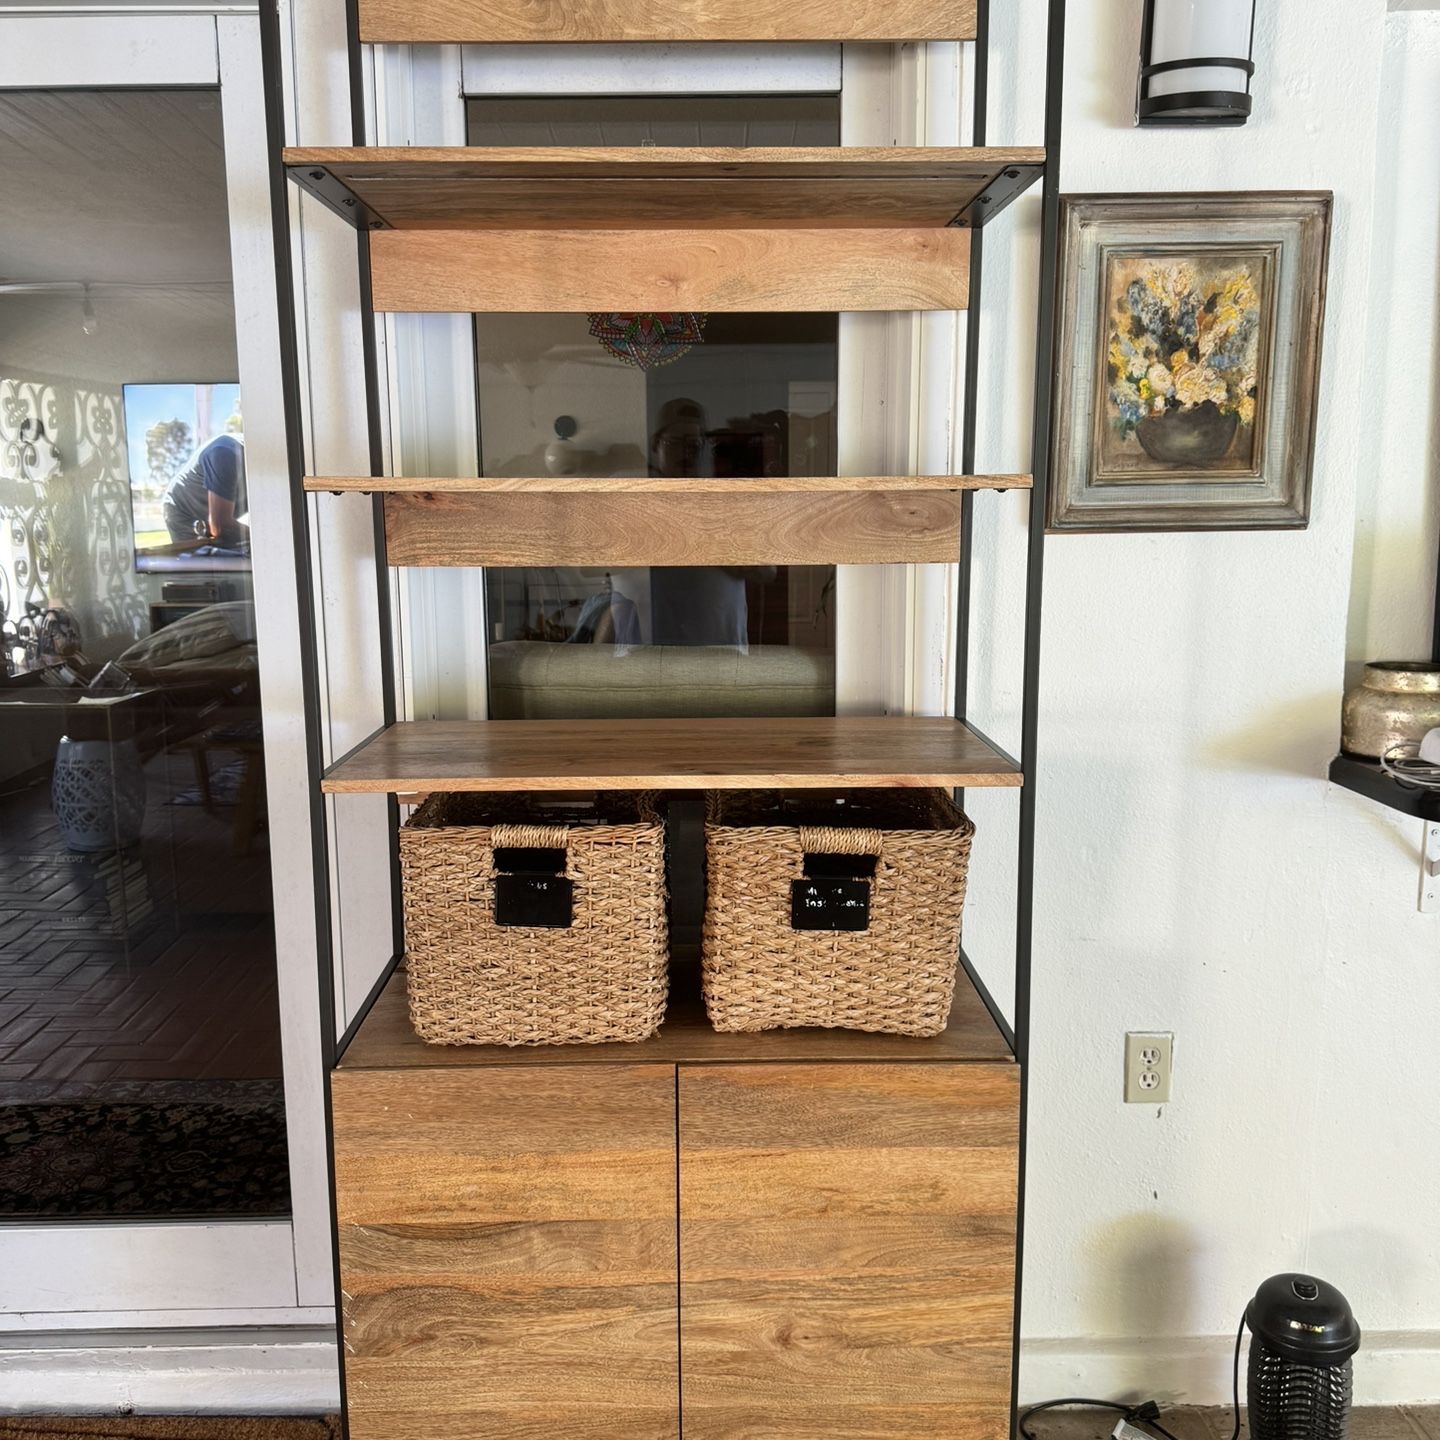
[(830, 904)]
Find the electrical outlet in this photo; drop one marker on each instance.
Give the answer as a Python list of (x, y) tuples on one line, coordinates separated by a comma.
[(1147, 1067)]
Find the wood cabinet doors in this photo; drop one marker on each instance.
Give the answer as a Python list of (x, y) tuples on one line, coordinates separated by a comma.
[(845, 1265), (847, 1250), (507, 1252)]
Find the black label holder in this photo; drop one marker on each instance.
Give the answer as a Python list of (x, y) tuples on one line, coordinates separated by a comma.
[(834, 894), (532, 889)]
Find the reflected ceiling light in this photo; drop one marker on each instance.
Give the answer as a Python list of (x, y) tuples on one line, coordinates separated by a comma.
[(88, 321), (1195, 62)]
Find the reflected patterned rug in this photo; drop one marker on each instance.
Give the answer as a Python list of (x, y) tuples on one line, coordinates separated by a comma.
[(218, 1150), (167, 1427)]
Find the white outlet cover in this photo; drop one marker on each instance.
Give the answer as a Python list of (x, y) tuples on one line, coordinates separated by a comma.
[(1148, 1062)]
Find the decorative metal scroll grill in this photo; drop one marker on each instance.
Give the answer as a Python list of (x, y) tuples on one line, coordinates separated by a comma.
[(65, 532)]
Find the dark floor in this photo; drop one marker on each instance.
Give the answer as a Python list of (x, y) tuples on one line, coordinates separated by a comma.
[(1408, 1422)]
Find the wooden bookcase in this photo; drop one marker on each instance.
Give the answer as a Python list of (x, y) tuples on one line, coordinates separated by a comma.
[(791, 1234)]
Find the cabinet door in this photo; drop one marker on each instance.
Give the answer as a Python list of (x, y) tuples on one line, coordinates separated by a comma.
[(507, 1252), (847, 1250)]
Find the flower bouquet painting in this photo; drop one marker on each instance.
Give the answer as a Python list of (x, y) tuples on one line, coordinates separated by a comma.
[(1183, 364), (1187, 360)]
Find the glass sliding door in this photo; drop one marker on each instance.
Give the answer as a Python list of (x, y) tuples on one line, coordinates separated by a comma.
[(140, 1064), (158, 1008)]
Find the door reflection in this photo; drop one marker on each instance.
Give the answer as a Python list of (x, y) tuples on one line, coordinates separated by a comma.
[(140, 1070), (754, 395)]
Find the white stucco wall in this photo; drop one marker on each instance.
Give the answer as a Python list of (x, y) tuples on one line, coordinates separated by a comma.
[(1196, 872)]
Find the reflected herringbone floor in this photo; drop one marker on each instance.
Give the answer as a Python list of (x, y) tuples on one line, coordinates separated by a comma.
[(158, 964)]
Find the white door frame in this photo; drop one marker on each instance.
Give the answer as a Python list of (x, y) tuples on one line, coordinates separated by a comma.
[(64, 1276), (898, 374)]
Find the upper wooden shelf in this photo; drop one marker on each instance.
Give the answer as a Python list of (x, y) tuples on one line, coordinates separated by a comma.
[(386, 1041), (656, 484), (671, 754), (782, 520), (580, 21), (661, 187)]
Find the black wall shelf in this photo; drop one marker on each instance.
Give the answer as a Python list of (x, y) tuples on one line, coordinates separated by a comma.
[(1365, 777)]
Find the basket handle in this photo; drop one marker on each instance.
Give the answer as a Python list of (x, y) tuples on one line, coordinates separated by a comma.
[(529, 837), (840, 840)]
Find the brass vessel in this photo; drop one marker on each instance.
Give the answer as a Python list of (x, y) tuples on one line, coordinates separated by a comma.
[(1396, 701)]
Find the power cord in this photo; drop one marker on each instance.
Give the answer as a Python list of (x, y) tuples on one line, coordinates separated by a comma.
[(1403, 764), (1147, 1412)]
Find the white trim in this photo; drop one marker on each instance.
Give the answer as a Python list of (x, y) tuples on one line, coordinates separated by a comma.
[(1395, 1367), (61, 1275), (34, 1325), (257, 335), (897, 373), (348, 594), (79, 1270), (158, 1373), (695, 69), (42, 50), (897, 408)]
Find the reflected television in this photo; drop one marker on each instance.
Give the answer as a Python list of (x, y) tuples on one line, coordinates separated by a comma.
[(185, 448)]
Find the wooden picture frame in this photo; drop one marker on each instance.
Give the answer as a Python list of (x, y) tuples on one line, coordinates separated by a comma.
[(1188, 333)]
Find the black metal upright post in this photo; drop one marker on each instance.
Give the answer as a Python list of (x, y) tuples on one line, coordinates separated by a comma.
[(1034, 592), (370, 353)]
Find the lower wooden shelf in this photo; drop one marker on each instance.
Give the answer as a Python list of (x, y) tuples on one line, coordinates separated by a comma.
[(385, 1040), (672, 754)]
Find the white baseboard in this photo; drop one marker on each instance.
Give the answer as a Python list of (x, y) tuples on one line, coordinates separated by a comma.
[(244, 1372), (1395, 1367)]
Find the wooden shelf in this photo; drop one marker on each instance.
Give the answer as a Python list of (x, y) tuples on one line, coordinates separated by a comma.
[(656, 484), (671, 754), (385, 1040), (801, 520), (454, 22), (663, 187), (1365, 777)]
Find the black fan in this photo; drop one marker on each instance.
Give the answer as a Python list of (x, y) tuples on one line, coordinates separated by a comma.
[(1300, 1375)]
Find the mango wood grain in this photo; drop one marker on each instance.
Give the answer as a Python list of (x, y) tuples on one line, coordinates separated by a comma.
[(664, 187), (657, 484), (579, 21), (847, 1247), (386, 1041), (507, 1252), (836, 528), (563, 271), (672, 754)]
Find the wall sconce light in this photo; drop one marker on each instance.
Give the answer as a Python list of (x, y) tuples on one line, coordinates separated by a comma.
[(1195, 62)]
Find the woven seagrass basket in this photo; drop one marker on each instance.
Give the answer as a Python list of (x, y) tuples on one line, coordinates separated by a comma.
[(473, 980), (897, 974)]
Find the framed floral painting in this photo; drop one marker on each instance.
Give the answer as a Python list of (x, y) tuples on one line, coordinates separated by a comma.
[(1188, 360)]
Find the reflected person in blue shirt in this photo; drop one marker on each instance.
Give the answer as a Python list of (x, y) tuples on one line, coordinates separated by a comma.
[(204, 499)]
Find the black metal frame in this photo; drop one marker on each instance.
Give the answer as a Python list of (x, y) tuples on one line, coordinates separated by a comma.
[(1225, 107), (1018, 1035), (982, 209)]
